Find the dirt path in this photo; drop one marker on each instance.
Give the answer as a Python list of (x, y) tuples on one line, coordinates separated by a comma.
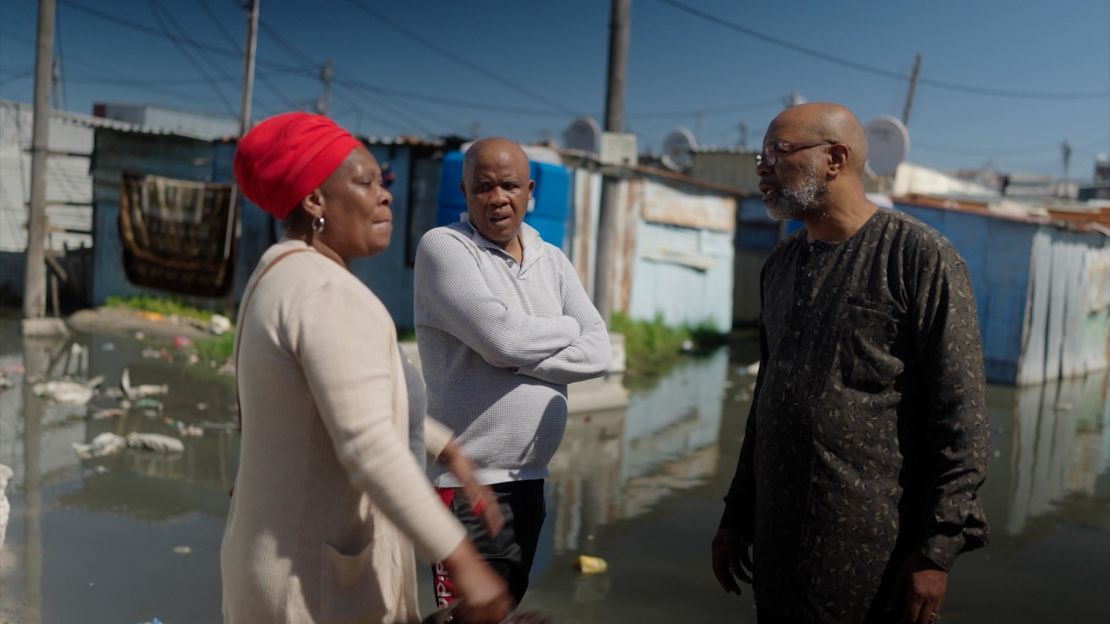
[(125, 322)]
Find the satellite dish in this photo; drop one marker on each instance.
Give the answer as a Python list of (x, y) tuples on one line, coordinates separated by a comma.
[(677, 147), (888, 142), (584, 134)]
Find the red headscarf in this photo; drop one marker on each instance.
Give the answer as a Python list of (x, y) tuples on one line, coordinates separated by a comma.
[(281, 160)]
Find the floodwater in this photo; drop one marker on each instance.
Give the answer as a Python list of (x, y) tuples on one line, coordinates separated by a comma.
[(135, 536)]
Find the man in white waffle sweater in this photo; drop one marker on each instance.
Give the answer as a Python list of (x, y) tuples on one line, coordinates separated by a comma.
[(503, 325)]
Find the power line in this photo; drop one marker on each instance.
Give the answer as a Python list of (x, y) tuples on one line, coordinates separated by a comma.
[(18, 76), (219, 24), (156, 9), (713, 110), (266, 82), (301, 71), (299, 55), (455, 58), (294, 51), (879, 71), (963, 151)]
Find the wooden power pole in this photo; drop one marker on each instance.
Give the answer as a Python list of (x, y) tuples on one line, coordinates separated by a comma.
[(607, 231), (34, 282), (248, 68), (913, 87)]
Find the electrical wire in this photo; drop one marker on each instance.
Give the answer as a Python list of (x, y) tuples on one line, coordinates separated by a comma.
[(458, 60), (879, 71), (298, 54), (156, 9), (714, 110)]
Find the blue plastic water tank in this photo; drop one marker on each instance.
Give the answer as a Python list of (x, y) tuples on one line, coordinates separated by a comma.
[(550, 210)]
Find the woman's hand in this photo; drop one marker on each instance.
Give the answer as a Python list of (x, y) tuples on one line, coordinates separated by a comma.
[(482, 500), (483, 595)]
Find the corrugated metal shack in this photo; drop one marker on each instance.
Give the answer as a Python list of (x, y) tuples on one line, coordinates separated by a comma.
[(117, 150), (676, 249), (68, 196), (413, 163), (1042, 288)]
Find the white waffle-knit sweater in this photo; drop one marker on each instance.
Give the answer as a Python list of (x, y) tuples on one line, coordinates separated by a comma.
[(499, 342)]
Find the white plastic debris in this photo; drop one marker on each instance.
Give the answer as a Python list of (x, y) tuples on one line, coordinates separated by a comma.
[(111, 412), (108, 443), (140, 391), (67, 392), (155, 442), (750, 369), (219, 324), (186, 430), (101, 445), (5, 508)]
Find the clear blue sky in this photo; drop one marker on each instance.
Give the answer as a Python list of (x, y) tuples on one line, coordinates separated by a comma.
[(545, 61)]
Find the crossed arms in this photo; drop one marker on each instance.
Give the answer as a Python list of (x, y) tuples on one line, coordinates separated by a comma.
[(456, 299)]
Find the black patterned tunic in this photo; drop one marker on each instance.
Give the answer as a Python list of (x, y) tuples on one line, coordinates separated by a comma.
[(868, 434)]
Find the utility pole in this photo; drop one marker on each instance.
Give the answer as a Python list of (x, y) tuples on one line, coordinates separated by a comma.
[(606, 243), (34, 282), (56, 84), (1065, 153), (913, 86), (326, 74), (248, 68), (743, 135)]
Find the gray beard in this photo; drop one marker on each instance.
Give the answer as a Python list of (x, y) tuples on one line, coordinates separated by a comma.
[(792, 201)]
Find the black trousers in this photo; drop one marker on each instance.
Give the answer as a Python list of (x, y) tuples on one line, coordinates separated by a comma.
[(511, 552)]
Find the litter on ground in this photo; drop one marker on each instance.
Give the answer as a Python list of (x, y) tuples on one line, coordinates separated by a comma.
[(590, 565), (101, 445), (142, 390), (219, 324), (67, 392), (108, 443)]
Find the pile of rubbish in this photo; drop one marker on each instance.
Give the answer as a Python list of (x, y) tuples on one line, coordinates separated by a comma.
[(128, 398)]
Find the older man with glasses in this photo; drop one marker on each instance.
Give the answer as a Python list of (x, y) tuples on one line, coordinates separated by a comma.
[(867, 439)]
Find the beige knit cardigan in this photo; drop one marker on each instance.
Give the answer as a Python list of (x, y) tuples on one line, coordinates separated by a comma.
[(329, 501)]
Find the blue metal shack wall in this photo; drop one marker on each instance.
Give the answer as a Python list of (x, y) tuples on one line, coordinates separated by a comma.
[(997, 253), (756, 235), (388, 273), (113, 153), (256, 229)]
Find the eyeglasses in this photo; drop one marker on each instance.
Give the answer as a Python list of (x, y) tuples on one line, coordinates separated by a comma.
[(782, 149)]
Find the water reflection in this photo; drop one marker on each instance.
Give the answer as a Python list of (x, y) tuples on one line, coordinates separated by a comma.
[(639, 486), (1052, 446), (73, 546), (617, 465)]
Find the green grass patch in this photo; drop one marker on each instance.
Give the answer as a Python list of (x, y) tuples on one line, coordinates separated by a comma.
[(216, 349), (652, 347), (162, 305)]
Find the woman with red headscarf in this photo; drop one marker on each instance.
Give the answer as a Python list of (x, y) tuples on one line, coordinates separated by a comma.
[(328, 501)]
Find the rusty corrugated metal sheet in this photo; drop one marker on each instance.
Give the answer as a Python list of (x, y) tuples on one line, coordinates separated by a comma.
[(664, 203), (673, 248), (586, 197)]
